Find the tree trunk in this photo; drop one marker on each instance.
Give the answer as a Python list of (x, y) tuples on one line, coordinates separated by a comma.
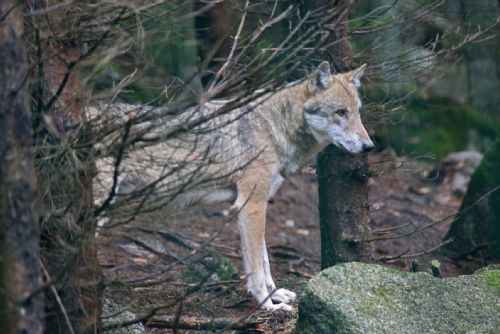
[(21, 294), (343, 207), (214, 28), (336, 36), (65, 176), (482, 58), (342, 178)]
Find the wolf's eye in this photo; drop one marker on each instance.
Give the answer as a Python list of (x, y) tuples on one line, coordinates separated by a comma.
[(341, 112), (313, 111)]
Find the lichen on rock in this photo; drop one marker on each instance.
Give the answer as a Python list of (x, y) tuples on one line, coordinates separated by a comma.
[(368, 298), (115, 314)]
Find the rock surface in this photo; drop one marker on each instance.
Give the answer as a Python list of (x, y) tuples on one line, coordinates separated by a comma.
[(113, 313), (457, 169), (368, 298)]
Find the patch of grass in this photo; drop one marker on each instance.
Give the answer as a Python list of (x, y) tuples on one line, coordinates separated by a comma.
[(193, 275), (225, 270)]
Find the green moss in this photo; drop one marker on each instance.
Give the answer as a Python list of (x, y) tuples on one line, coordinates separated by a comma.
[(193, 275), (382, 292), (437, 126), (492, 278), (399, 272), (486, 176), (224, 269)]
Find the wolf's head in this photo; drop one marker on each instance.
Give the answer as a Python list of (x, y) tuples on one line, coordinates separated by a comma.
[(332, 110)]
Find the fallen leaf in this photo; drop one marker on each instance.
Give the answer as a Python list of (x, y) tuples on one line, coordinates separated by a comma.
[(302, 231), (138, 260)]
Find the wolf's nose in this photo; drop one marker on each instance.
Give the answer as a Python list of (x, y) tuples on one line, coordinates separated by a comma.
[(368, 147)]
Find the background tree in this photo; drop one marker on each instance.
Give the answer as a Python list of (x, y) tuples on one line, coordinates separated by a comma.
[(477, 73), (21, 293)]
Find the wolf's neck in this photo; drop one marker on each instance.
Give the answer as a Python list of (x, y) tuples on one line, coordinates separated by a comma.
[(283, 117)]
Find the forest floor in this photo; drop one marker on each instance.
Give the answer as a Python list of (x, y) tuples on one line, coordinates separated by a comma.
[(169, 261)]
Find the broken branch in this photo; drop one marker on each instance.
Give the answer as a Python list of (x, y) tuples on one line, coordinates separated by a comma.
[(205, 324)]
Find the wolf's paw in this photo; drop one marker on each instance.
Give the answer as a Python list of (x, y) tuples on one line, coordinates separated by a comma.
[(276, 307), (283, 296)]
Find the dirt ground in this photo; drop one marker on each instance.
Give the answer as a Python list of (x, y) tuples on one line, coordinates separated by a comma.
[(188, 264)]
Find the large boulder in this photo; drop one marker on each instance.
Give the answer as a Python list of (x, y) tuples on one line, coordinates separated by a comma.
[(478, 226), (456, 170), (368, 298)]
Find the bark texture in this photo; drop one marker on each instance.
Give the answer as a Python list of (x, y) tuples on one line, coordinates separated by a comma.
[(21, 297), (343, 207)]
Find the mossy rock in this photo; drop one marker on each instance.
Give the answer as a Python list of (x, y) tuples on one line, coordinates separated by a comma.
[(480, 222), (367, 298)]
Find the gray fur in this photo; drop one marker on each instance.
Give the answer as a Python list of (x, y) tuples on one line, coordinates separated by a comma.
[(241, 156)]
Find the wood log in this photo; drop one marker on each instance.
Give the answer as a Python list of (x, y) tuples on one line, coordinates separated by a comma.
[(206, 324)]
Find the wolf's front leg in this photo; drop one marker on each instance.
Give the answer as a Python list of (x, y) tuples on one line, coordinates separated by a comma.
[(252, 203), (277, 295), (251, 222)]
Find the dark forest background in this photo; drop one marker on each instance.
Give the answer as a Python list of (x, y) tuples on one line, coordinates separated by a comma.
[(431, 89)]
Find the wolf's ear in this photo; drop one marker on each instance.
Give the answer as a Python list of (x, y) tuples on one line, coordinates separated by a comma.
[(355, 75), (321, 78)]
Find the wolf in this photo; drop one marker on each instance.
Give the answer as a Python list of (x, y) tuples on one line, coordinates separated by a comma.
[(243, 157)]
